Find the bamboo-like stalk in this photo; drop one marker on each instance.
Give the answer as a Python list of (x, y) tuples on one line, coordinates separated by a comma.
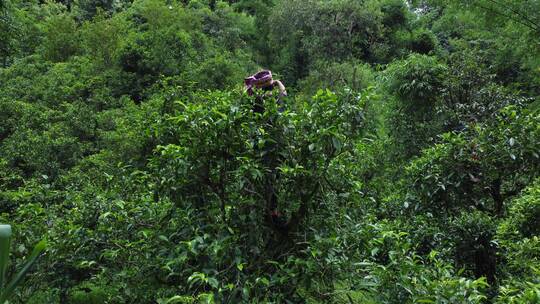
[(18, 278), (7, 289), (5, 242)]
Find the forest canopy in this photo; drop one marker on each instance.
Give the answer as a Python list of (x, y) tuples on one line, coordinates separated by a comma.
[(402, 165)]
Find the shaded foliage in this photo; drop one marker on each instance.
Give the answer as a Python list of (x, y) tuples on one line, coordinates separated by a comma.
[(402, 168)]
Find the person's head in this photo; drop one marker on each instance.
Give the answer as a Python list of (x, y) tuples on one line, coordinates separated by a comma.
[(259, 80)]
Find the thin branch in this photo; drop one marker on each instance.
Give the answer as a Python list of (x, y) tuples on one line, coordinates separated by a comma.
[(518, 13), (507, 16)]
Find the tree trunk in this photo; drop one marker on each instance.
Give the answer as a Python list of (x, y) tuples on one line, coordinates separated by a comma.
[(498, 199)]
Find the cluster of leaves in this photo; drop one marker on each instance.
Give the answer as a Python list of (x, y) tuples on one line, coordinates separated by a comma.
[(491, 162)]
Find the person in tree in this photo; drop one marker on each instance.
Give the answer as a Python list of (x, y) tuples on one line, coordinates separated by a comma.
[(263, 81), (262, 85)]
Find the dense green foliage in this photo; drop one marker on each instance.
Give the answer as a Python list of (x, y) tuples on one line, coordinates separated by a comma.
[(404, 165)]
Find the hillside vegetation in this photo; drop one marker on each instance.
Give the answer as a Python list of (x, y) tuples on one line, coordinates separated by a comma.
[(402, 167)]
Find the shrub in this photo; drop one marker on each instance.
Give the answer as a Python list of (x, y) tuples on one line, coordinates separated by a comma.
[(519, 234), (423, 41)]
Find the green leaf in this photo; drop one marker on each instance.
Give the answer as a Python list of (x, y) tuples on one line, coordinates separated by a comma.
[(264, 281), (336, 143), (213, 282), (196, 276)]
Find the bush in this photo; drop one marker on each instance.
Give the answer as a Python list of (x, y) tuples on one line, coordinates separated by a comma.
[(416, 84), (405, 277), (60, 40), (472, 235), (224, 162), (423, 41), (416, 81), (334, 75), (519, 234), (499, 157)]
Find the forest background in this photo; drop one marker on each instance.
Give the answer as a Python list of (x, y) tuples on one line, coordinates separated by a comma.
[(405, 165)]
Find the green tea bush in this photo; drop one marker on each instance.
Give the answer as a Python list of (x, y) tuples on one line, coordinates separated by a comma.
[(334, 75), (404, 277), (423, 42), (414, 85), (519, 234), (224, 159), (457, 172)]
